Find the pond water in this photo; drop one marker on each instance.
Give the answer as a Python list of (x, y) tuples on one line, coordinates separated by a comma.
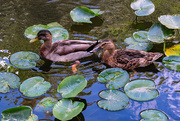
[(117, 23)]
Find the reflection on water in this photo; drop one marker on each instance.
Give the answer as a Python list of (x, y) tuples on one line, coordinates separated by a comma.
[(116, 23)]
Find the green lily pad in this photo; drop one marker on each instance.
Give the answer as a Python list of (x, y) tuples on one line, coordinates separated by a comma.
[(172, 62), (21, 113), (141, 36), (83, 14), (24, 59), (57, 31), (113, 100), (153, 115), (46, 104), (174, 50), (34, 86), (71, 86), (8, 79), (133, 44), (114, 77), (158, 32), (170, 21), (143, 7), (66, 109), (141, 90)]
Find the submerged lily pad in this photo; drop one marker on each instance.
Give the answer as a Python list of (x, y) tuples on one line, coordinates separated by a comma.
[(143, 7), (157, 33), (141, 90), (21, 113), (8, 79), (141, 36), (172, 62), (24, 59), (174, 50), (71, 86), (66, 109), (34, 86), (114, 77), (153, 115), (113, 100), (83, 14), (170, 21)]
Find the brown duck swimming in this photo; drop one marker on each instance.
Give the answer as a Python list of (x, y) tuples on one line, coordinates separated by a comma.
[(127, 59)]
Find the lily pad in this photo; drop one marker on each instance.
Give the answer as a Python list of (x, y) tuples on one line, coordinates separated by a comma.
[(114, 77), (174, 50), (153, 115), (21, 113), (158, 32), (71, 86), (24, 59), (113, 100), (141, 90), (66, 109), (141, 36), (143, 7), (172, 62), (83, 14), (33, 117), (8, 80), (46, 104), (34, 86), (57, 31), (170, 21)]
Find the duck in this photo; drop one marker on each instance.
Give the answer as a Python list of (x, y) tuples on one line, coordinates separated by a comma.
[(63, 50), (127, 59)]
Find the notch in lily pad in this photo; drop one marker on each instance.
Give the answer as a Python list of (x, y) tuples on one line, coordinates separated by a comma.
[(153, 115), (143, 7), (66, 109), (71, 86), (114, 78), (8, 80), (141, 90), (83, 14), (113, 100), (24, 59), (34, 86)]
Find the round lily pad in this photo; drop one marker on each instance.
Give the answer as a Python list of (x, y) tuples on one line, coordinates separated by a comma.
[(153, 115), (143, 7), (170, 21), (141, 90), (114, 77), (24, 59), (174, 50), (21, 113), (34, 86), (71, 86), (172, 62), (8, 80), (113, 100), (66, 109), (141, 36)]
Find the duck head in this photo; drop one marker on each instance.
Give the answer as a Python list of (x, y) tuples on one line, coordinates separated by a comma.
[(43, 35)]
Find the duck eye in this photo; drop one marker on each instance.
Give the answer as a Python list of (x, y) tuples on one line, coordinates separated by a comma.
[(104, 44)]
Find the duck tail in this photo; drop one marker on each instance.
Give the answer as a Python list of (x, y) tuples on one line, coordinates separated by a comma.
[(92, 46), (156, 55)]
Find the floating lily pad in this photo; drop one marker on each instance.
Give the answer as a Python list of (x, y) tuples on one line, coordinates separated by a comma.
[(172, 62), (133, 44), (34, 86), (83, 14), (141, 90), (141, 36), (21, 113), (57, 31), (114, 77), (153, 115), (170, 21), (8, 79), (33, 117), (24, 59), (66, 109), (143, 7), (174, 50), (157, 33), (113, 100), (46, 104), (71, 86)]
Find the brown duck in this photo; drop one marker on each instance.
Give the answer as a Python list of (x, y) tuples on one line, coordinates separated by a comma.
[(127, 59)]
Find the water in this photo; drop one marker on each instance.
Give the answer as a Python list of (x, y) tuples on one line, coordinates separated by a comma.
[(116, 23)]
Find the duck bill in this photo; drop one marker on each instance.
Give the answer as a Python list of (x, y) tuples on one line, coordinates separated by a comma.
[(33, 40)]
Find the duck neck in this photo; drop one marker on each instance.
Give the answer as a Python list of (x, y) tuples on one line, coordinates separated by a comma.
[(47, 44), (111, 51)]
